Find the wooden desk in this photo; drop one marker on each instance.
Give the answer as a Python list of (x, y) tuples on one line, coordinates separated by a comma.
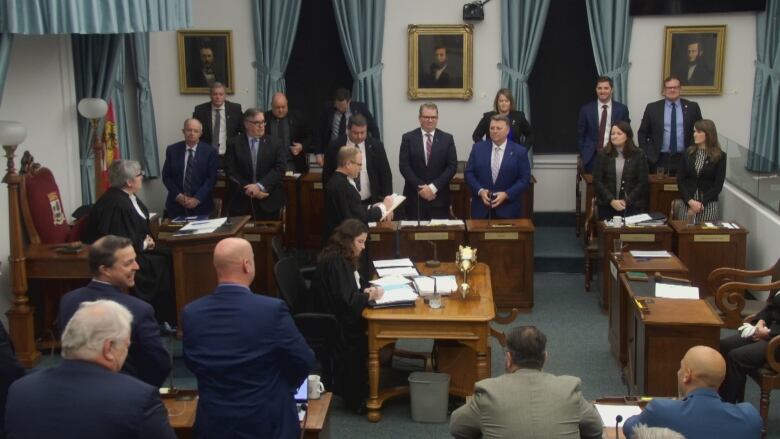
[(660, 337), (312, 211), (465, 321), (193, 261), (181, 415), (259, 234), (509, 252), (634, 238), (461, 198), (382, 241), (618, 297), (663, 190), (416, 242), (704, 250), (292, 218)]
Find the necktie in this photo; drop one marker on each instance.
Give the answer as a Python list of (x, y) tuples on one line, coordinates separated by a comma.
[(496, 165), (254, 160), (217, 128), (343, 125), (602, 127), (428, 148), (188, 172), (335, 127), (673, 131)]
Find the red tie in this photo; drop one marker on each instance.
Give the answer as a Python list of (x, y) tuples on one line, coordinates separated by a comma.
[(602, 127), (428, 148)]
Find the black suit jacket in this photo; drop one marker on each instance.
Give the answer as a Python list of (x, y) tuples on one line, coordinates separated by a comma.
[(271, 164), (326, 122), (233, 120), (520, 129), (342, 201), (375, 161), (709, 181), (10, 371), (439, 172), (651, 131), (299, 132), (633, 187)]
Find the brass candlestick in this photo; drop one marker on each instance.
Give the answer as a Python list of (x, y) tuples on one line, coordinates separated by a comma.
[(466, 259)]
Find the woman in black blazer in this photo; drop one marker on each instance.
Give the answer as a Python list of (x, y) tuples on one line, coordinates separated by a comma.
[(620, 161), (701, 173), (519, 128)]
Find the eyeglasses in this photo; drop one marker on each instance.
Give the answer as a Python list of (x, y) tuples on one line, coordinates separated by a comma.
[(358, 163), (257, 122), (672, 87), (140, 174), (429, 117)]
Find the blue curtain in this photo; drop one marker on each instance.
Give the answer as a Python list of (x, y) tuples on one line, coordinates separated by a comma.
[(95, 58), (610, 35), (275, 23), (40, 17), (361, 25), (147, 129), (522, 24), (5, 57), (117, 100), (764, 153)]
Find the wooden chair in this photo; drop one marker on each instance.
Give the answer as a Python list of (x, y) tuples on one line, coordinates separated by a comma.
[(730, 291), (590, 242), (578, 197), (767, 377), (675, 209)]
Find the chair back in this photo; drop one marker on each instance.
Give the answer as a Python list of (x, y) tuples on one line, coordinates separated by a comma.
[(291, 285), (277, 247), (590, 223), (41, 203), (677, 209)]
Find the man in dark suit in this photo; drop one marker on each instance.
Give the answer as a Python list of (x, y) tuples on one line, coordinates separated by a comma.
[(694, 71), (292, 130), (190, 173), (428, 161), (83, 397), (667, 127), (333, 120), (595, 121), (498, 172), (10, 371), (221, 119), (375, 180), (113, 266), (254, 164), (438, 74), (206, 72), (245, 352), (700, 413)]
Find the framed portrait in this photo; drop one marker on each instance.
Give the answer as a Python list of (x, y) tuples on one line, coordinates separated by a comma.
[(695, 55), (441, 61), (205, 56)]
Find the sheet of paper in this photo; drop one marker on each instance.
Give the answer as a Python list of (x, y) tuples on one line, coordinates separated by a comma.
[(670, 291), (397, 200), (204, 226), (634, 219), (398, 294), (385, 263), (400, 271), (650, 254), (446, 222), (372, 224), (444, 284), (389, 281), (413, 223), (609, 413)]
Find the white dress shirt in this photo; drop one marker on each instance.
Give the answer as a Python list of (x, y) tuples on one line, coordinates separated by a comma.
[(221, 136)]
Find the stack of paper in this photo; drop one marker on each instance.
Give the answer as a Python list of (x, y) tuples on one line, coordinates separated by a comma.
[(427, 285), (397, 295), (200, 227), (387, 263), (671, 291), (635, 219), (397, 200), (650, 254), (609, 413)]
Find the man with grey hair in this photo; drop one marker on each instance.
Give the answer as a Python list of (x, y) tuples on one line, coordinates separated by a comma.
[(428, 161), (526, 402), (113, 265), (83, 397)]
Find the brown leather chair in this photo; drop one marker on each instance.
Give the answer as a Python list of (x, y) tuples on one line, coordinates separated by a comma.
[(730, 291)]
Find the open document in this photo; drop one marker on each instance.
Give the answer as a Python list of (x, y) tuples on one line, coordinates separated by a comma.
[(397, 200), (427, 285), (201, 227), (610, 412), (396, 295)]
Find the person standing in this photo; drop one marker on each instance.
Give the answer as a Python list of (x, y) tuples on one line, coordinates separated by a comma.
[(702, 173), (220, 118), (595, 120)]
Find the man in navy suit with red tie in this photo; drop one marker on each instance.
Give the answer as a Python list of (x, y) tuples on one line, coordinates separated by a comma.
[(428, 162), (190, 173), (498, 171), (595, 121)]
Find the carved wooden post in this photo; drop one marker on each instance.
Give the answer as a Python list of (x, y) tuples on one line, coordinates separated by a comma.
[(20, 316)]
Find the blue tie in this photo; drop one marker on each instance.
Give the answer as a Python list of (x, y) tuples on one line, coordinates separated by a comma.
[(673, 129), (254, 159)]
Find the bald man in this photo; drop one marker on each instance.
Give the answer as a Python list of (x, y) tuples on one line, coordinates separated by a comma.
[(246, 353), (291, 128), (700, 413)]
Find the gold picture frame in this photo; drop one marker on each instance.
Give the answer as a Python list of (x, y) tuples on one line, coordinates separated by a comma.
[(205, 56), (441, 61), (695, 54)]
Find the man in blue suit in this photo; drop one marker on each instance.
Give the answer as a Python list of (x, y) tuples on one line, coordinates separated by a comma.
[(497, 172), (83, 397), (596, 118), (246, 353), (190, 173), (700, 413), (113, 265)]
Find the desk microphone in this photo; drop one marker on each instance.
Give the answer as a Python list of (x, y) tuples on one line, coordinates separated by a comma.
[(166, 329), (618, 420), (435, 261), (251, 199)]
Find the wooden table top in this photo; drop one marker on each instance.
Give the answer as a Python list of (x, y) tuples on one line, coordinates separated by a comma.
[(662, 311), (477, 306), (629, 263), (497, 225), (230, 228), (682, 227)]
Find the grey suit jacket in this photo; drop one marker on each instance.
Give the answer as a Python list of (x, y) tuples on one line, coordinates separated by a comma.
[(527, 404)]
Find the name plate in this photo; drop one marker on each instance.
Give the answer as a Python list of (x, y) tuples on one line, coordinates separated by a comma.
[(220, 183), (318, 186), (670, 188), (501, 236), (711, 238), (431, 236), (164, 235), (253, 237), (455, 187), (637, 237), (375, 237)]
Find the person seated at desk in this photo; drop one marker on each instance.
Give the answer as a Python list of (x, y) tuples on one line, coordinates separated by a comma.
[(525, 401), (700, 413), (338, 289), (701, 173), (620, 175), (119, 212), (519, 129)]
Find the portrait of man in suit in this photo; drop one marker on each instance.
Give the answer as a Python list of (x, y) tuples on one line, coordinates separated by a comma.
[(204, 58), (694, 65), (440, 61), (695, 55)]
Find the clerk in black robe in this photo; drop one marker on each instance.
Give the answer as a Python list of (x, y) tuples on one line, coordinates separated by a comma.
[(338, 289), (119, 212)]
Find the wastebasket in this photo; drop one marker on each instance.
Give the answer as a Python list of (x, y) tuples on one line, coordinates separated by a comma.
[(429, 393)]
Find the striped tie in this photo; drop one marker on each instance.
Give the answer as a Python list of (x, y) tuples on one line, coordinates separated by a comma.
[(188, 172), (496, 165), (428, 148)]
